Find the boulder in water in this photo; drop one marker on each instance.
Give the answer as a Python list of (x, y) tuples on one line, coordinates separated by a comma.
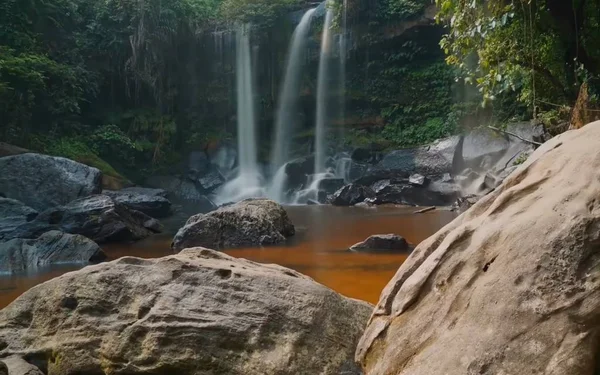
[(405, 193), (512, 286), (42, 181), (101, 219), (53, 247), (351, 194), (252, 222), (199, 311), (382, 242), (210, 181), (152, 205)]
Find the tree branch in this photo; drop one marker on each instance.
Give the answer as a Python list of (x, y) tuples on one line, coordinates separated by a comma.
[(515, 135)]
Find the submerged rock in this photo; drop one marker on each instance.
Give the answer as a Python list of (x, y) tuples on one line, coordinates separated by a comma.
[(252, 222), (198, 312), (52, 247), (351, 194), (101, 219), (152, 205), (383, 242), (42, 181), (512, 286)]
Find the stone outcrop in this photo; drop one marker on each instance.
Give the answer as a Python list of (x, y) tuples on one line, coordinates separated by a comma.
[(512, 286), (198, 312), (183, 193), (42, 181), (13, 214), (100, 219), (252, 222), (152, 205), (53, 247), (382, 242), (351, 194)]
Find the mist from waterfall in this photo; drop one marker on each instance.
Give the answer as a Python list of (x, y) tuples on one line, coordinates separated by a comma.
[(323, 94), (248, 181), (287, 112)]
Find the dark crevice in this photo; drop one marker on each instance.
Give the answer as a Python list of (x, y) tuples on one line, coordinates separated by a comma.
[(488, 264)]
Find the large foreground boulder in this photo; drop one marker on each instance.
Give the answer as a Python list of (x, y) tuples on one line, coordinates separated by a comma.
[(42, 181), (252, 222), (101, 219), (198, 312), (510, 287), (54, 247)]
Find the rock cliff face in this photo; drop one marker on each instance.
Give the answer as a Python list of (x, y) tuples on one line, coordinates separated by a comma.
[(198, 312), (510, 287)]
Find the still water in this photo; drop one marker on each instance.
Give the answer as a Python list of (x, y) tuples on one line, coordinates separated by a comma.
[(319, 249)]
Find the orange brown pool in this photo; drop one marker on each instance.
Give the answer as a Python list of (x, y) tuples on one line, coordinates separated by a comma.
[(319, 249)]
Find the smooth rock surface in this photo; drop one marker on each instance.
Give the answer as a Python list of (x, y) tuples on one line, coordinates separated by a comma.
[(251, 222), (100, 219), (198, 312), (53, 247), (152, 205), (42, 181), (512, 286), (383, 242), (351, 194)]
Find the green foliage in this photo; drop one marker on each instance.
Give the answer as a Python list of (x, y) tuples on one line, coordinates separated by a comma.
[(258, 12)]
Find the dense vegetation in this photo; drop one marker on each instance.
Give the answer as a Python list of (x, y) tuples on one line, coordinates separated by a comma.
[(129, 85)]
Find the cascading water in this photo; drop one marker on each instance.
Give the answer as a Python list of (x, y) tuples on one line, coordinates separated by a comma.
[(247, 183), (286, 116), (313, 184), (322, 94), (342, 69)]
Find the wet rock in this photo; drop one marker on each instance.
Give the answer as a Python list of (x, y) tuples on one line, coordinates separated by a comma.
[(252, 222), (152, 205), (145, 191), (183, 192), (224, 158), (365, 155), (15, 365), (13, 214), (53, 247), (382, 242), (351, 194), (42, 181), (199, 310), (331, 185), (198, 165), (101, 219), (357, 171), (211, 181), (380, 185), (417, 179), (298, 171), (412, 195), (511, 286), (433, 159)]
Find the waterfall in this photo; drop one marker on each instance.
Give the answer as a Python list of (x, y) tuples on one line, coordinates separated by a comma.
[(322, 95), (286, 117), (342, 69), (247, 183)]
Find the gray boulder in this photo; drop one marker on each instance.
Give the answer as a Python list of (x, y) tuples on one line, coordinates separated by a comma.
[(54, 247), (152, 205), (252, 222), (101, 219), (351, 194), (405, 193), (145, 191), (382, 242), (183, 192), (197, 312), (14, 214), (42, 181)]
